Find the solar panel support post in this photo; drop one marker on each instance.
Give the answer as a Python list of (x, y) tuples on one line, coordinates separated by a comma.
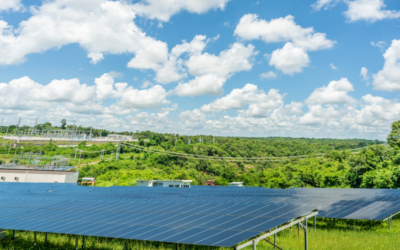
[(255, 242), (315, 223), (34, 238), (275, 239), (13, 237), (83, 242), (126, 245), (288, 225), (76, 242), (298, 229), (305, 234), (45, 239)]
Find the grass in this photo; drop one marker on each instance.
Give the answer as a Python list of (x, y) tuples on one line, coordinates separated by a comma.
[(345, 234)]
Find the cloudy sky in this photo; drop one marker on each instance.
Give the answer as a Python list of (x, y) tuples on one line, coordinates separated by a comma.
[(319, 68)]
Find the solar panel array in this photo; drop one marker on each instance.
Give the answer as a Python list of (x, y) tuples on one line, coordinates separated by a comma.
[(214, 217), (346, 203)]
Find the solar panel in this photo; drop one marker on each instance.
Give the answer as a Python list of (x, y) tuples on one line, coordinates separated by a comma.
[(332, 203), (190, 216)]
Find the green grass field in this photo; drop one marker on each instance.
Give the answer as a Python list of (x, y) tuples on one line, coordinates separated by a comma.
[(351, 235)]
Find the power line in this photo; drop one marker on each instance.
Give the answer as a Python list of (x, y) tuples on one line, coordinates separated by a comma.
[(204, 157), (199, 158)]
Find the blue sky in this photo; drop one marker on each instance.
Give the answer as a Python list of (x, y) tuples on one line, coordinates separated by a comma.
[(326, 68)]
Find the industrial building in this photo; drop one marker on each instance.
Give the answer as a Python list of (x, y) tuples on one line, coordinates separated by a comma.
[(236, 184), (164, 183), (119, 137), (36, 176)]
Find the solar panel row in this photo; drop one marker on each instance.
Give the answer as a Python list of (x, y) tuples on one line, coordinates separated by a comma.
[(140, 213), (370, 204)]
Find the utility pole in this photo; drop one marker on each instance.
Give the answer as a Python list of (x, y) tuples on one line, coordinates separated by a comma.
[(90, 135), (213, 139), (189, 141), (2, 125), (19, 121), (73, 131), (30, 135), (36, 124), (118, 150)]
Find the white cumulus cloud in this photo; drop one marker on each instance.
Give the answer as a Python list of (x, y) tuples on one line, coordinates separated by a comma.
[(74, 96), (325, 4), (211, 71), (335, 93), (260, 103), (208, 84), (293, 57), (100, 27), (147, 98), (237, 58), (13, 5), (364, 73), (389, 77), (289, 59), (368, 10), (268, 75), (164, 9)]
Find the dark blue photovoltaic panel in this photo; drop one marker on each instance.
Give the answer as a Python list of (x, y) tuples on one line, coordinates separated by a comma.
[(180, 214), (215, 217)]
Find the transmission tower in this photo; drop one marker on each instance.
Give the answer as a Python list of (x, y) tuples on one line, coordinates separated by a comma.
[(118, 150), (34, 128), (19, 122), (2, 125)]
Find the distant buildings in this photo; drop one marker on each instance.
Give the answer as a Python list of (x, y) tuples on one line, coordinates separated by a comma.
[(164, 183), (119, 137), (42, 176), (236, 184)]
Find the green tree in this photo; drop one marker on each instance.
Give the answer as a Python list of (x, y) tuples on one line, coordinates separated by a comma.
[(394, 136), (63, 123), (82, 144)]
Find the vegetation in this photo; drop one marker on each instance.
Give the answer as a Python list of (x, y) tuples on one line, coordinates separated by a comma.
[(325, 162), (345, 234)]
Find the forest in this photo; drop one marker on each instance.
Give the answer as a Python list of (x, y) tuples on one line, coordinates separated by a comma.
[(355, 163)]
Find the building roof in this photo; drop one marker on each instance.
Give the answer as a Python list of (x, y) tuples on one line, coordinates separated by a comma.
[(167, 180), (35, 171)]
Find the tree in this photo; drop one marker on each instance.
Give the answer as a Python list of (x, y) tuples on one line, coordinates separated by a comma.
[(394, 136), (63, 123)]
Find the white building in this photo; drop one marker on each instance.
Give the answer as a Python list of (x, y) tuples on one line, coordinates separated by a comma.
[(236, 184), (42, 176), (119, 137), (164, 183)]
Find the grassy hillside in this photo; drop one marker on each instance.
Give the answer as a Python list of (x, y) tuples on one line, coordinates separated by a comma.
[(349, 235)]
